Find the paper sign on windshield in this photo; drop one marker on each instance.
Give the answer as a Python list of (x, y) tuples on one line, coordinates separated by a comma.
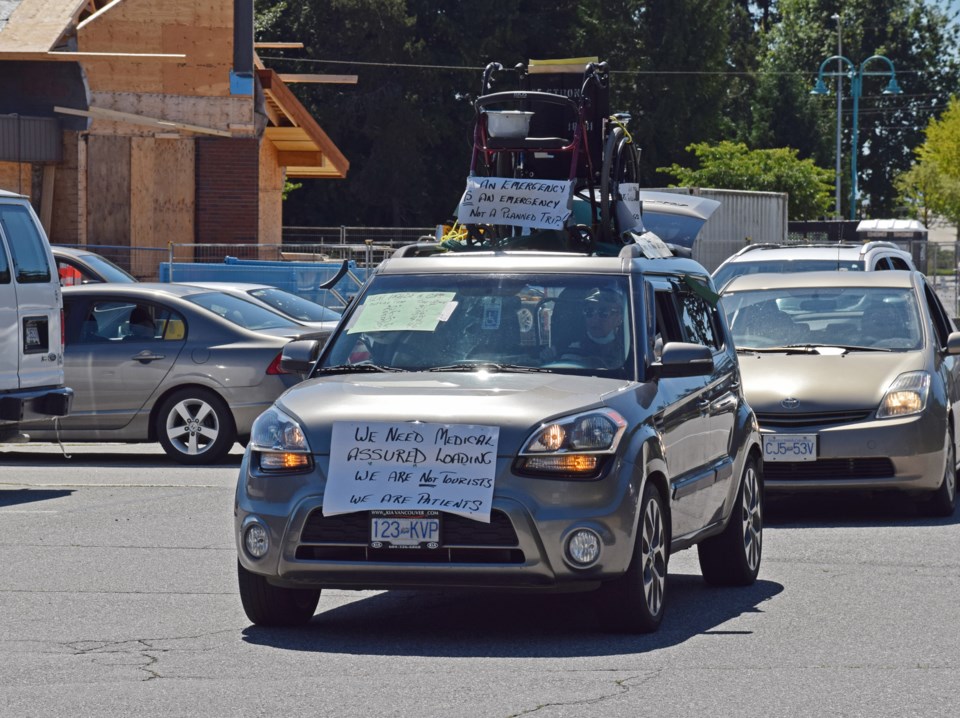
[(534, 203), (413, 466), (407, 311)]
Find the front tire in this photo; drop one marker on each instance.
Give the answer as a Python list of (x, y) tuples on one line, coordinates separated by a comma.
[(732, 558), (195, 426), (634, 603), (267, 605), (943, 501)]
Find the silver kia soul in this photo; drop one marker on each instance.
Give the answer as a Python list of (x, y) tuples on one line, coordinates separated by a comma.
[(505, 420)]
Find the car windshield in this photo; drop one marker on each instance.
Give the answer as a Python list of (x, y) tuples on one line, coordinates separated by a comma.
[(106, 269), (855, 317), (294, 306), (732, 270), (241, 312), (567, 323)]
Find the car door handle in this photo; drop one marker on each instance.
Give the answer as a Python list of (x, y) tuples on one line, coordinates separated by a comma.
[(146, 356), (704, 406)]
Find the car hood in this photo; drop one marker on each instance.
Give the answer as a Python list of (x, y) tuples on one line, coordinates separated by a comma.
[(854, 380), (514, 402)]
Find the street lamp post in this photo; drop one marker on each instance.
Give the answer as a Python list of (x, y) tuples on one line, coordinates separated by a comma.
[(856, 74)]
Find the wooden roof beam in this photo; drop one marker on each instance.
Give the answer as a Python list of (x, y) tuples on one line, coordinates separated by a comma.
[(116, 116)]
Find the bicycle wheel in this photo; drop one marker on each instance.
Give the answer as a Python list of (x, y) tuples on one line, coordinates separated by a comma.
[(620, 166)]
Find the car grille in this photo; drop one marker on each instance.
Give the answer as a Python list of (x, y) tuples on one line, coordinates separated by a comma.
[(770, 420), (827, 469), (346, 537)]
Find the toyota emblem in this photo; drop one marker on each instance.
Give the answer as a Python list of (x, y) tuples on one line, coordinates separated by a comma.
[(790, 403)]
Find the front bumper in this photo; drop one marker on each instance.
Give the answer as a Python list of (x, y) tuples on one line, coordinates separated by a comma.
[(523, 546), (904, 454)]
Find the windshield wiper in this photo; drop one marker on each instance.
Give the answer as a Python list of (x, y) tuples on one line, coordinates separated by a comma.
[(807, 349), (356, 369), (489, 366)]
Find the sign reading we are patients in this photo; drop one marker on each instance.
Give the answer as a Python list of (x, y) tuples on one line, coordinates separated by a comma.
[(412, 466), (534, 203)]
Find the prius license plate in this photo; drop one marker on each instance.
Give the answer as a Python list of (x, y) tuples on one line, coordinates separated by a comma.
[(789, 447), (405, 529)]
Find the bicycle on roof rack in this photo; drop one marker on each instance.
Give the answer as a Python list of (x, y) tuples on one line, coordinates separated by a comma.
[(550, 159)]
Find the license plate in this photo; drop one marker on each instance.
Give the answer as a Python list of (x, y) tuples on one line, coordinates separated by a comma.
[(32, 335), (789, 447), (403, 529)]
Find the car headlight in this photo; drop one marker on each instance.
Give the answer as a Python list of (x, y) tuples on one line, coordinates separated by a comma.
[(906, 395), (573, 447), (279, 442)]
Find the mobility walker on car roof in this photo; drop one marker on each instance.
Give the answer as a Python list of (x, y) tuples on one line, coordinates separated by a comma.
[(550, 158)]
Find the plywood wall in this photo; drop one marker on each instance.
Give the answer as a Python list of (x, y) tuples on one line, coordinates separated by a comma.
[(270, 230), (203, 32), (16, 177), (161, 199), (108, 195), (65, 222)]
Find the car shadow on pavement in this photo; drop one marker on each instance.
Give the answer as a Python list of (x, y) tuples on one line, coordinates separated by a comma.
[(500, 625), (16, 497), (848, 510), (102, 459)]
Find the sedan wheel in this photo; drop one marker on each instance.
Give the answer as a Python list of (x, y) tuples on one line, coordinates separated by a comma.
[(732, 558), (634, 603), (195, 426), (944, 499)]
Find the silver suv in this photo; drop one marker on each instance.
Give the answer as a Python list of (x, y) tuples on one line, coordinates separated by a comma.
[(539, 421), (780, 258)]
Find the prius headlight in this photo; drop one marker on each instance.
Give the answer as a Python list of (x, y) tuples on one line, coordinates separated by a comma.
[(573, 447), (906, 395), (278, 441)]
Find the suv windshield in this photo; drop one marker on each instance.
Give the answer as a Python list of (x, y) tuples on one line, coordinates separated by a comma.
[(569, 323), (781, 266)]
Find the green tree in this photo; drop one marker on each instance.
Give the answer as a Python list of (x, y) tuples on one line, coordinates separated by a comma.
[(731, 165), (917, 35), (932, 185)]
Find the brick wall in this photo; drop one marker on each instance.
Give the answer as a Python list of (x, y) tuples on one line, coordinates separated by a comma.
[(228, 190)]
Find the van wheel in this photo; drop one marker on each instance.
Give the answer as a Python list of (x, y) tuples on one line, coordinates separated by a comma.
[(267, 605), (634, 602), (195, 426), (732, 558)]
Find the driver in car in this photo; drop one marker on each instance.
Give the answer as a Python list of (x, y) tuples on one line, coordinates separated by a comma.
[(602, 341)]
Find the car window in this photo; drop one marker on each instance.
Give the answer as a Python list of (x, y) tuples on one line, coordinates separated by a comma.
[(241, 312), (27, 246), (4, 267), (899, 263), (124, 321), (294, 306), (568, 323), (941, 322), (698, 319), (869, 317)]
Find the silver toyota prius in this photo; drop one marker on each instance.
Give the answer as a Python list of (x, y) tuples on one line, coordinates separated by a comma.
[(854, 379)]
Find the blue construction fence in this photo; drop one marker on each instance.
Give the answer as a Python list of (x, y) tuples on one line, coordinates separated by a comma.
[(301, 278)]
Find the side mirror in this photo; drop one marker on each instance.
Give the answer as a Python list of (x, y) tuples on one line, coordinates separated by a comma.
[(683, 359), (299, 356), (953, 343)]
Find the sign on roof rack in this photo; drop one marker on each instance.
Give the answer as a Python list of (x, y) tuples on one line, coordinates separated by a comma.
[(529, 203)]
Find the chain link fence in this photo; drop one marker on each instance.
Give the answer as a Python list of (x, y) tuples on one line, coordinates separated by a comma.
[(366, 247)]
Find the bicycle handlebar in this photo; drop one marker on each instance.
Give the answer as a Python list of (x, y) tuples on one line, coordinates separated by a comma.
[(488, 71)]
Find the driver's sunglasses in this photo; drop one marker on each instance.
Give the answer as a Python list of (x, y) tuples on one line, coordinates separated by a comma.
[(597, 312)]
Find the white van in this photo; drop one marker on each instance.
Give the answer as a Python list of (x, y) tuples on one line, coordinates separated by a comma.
[(31, 338)]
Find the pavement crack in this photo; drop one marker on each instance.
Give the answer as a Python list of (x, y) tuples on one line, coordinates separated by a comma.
[(620, 687)]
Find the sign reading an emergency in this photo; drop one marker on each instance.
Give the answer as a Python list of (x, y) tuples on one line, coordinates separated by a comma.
[(533, 203), (411, 466)]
